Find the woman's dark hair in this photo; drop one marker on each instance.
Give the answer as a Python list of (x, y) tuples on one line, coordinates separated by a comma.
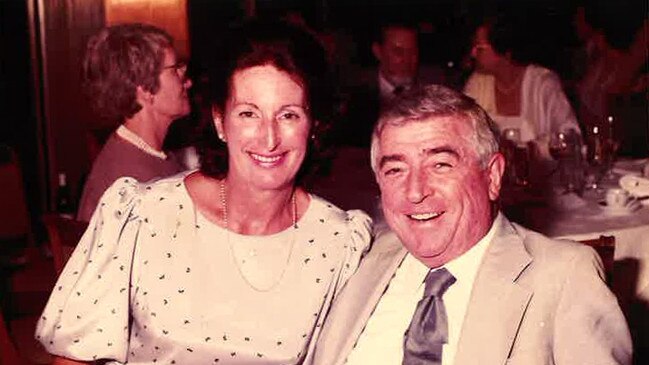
[(289, 49), (508, 33), (118, 59)]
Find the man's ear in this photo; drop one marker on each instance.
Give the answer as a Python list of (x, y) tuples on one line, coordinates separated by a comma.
[(217, 117), (495, 170), (142, 96), (376, 50)]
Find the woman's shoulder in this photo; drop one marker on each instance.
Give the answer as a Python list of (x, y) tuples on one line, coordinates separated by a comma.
[(479, 79), (535, 71), (128, 190), (322, 210), (171, 184), (480, 87)]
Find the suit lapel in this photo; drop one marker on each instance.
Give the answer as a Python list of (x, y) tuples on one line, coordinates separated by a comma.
[(497, 302)]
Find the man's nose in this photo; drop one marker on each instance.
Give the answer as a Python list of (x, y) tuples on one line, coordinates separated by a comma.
[(417, 187)]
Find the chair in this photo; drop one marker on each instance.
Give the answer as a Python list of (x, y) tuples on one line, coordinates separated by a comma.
[(605, 247), (8, 353), (15, 221), (64, 234)]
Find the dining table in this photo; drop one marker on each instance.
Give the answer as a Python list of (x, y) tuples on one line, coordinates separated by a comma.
[(585, 215)]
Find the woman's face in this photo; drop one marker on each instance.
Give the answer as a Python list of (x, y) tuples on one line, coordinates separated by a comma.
[(171, 100), (486, 58), (266, 127)]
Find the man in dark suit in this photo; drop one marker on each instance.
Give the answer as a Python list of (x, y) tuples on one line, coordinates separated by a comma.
[(396, 48)]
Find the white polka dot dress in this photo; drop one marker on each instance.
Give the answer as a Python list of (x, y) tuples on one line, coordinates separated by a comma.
[(154, 282)]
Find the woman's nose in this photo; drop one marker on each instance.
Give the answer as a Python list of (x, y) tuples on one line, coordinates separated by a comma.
[(272, 135)]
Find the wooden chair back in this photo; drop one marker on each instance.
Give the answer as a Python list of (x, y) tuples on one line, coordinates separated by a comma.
[(15, 222), (64, 234), (605, 247)]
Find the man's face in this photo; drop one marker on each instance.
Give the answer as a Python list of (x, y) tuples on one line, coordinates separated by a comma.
[(435, 194), (398, 55)]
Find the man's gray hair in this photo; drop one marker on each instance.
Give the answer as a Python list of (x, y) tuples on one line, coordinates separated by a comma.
[(435, 101)]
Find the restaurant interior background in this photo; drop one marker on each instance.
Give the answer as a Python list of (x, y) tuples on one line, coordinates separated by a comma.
[(47, 121), (46, 117)]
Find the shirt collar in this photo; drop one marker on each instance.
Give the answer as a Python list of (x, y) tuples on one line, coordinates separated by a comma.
[(132, 138), (385, 86), (465, 266)]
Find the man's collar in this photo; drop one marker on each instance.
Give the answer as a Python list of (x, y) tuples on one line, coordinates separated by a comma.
[(467, 263), (386, 86)]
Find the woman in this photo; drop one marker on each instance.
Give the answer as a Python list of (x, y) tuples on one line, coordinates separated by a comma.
[(517, 94), (133, 77), (234, 263)]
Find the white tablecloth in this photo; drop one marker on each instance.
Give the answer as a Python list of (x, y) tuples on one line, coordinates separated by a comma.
[(589, 219)]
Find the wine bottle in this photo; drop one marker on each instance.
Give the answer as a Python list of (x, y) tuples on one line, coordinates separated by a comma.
[(63, 198)]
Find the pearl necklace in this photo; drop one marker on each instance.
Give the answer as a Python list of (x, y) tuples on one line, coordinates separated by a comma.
[(224, 207), (138, 142)]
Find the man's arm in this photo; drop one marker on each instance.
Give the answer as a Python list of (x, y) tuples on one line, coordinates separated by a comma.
[(589, 325)]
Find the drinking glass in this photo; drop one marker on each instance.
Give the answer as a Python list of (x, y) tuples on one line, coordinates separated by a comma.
[(565, 147), (610, 144), (595, 157), (517, 156)]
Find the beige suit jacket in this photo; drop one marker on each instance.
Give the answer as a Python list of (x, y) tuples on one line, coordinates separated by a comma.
[(534, 301)]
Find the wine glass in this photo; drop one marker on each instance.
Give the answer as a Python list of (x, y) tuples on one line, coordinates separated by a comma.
[(565, 147), (595, 157), (517, 157), (611, 146)]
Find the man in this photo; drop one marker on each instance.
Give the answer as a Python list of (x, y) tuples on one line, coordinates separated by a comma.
[(509, 295), (396, 49)]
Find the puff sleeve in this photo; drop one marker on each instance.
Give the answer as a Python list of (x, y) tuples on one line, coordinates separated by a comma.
[(359, 228), (87, 315)]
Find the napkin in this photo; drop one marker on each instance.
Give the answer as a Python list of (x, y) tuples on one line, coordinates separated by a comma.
[(569, 201)]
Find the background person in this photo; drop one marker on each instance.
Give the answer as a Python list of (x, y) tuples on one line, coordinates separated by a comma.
[(234, 263), (396, 50), (132, 75), (514, 92), (504, 294)]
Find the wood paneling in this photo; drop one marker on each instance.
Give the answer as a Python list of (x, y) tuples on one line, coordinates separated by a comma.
[(170, 15), (65, 26)]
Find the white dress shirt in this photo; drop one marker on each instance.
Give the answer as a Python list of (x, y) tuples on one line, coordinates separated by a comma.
[(382, 339), (386, 88)]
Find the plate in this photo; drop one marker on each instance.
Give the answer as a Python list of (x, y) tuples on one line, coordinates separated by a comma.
[(631, 207), (635, 185)]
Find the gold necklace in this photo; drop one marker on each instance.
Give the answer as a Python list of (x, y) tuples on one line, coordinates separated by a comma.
[(224, 207)]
